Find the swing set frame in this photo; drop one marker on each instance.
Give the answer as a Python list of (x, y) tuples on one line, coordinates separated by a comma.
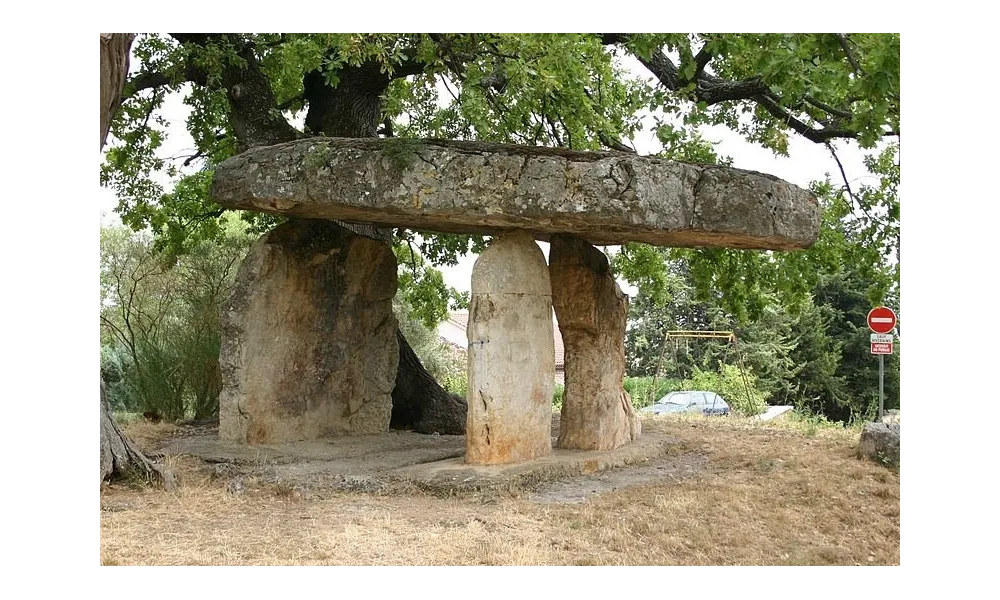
[(729, 336)]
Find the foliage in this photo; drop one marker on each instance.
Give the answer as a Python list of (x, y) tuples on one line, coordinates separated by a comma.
[(644, 391), (457, 382), (422, 287), (846, 296), (812, 353), (443, 362), (160, 321), (738, 387), (558, 392), (575, 90)]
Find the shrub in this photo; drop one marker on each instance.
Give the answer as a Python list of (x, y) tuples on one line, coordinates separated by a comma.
[(557, 396), (160, 331), (643, 392), (730, 385), (457, 382)]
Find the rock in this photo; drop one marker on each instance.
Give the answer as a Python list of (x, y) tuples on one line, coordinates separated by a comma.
[(512, 361), (880, 442), (224, 470), (309, 337), (597, 412), (237, 486), (475, 187)]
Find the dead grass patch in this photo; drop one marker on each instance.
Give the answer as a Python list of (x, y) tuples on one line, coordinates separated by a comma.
[(770, 495), (148, 434)]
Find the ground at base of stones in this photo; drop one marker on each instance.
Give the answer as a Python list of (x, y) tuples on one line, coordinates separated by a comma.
[(691, 491)]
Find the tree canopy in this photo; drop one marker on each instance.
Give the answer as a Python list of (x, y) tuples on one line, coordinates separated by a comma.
[(583, 91)]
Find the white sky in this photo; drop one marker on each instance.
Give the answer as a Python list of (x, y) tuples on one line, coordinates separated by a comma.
[(806, 162)]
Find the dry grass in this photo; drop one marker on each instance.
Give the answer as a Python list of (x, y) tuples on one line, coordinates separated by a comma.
[(772, 494), (146, 433)]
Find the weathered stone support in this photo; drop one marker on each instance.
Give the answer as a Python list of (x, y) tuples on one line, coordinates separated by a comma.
[(309, 337), (511, 354), (597, 412)]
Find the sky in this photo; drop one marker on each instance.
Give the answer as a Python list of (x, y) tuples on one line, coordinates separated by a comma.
[(806, 162)]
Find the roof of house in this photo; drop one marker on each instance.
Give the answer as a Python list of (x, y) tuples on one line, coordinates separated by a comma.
[(453, 331)]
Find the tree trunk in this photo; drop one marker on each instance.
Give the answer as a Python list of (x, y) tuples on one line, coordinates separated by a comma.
[(114, 68), (119, 456), (419, 402)]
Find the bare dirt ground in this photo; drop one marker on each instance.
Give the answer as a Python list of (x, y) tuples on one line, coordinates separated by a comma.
[(701, 492)]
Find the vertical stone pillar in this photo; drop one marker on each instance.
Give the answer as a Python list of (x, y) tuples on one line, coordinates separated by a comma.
[(511, 354), (309, 337), (597, 412)]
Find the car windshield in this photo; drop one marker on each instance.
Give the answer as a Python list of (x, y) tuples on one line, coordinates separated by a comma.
[(708, 399), (687, 398)]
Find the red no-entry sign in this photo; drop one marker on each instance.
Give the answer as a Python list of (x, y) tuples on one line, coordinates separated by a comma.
[(881, 319)]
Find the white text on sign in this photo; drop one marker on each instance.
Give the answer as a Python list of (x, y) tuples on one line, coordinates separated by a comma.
[(881, 348)]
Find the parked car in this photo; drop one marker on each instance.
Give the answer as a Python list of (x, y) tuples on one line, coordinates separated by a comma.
[(707, 403)]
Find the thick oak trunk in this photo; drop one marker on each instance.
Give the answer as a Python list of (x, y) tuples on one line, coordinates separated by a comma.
[(419, 402), (119, 456)]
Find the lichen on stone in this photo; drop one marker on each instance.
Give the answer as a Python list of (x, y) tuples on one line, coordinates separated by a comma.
[(401, 152)]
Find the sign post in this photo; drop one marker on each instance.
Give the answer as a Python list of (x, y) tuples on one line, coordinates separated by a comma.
[(881, 320)]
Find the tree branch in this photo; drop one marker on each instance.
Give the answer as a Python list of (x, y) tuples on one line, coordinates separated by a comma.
[(711, 89), (254, 114), (613, 144), (847, 187), (813, 135), (826, 107), (701, 61), (842, 38), (552, 128), (444, 80), (605, 139), (144, 81), (287, 103), (154, 79), (407, 68), (282, 38), (386, 130)]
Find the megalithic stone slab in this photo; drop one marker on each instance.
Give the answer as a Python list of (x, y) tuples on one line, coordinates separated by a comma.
[(309, 337), (474, 187), (511, 354), (597, 412)]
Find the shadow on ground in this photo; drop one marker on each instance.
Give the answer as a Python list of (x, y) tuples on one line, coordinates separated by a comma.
[(403, 461)]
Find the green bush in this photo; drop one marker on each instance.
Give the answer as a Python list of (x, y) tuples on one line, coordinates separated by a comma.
[(457, 382), (643, 392), (151, 381), (160, 332), (557, 396), (446, 364), (730, 385)]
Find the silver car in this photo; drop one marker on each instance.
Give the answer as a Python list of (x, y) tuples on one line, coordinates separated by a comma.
[(707, 403)]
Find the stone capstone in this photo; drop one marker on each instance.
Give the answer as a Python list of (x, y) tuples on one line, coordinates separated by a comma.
[(511, 354), (484, 188), (309, 337), (597, 413)]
